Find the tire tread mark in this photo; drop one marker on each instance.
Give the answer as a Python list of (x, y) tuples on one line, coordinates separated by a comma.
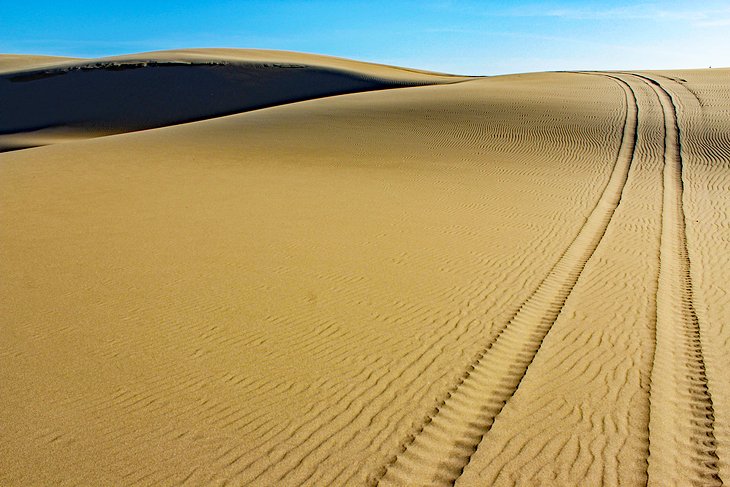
[(682, 445), (444, 444)]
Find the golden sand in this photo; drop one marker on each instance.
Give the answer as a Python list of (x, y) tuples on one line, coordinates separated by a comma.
[(483, 281)]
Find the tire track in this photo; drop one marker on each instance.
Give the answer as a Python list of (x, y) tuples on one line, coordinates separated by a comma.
[(443, 446), (682, 446)]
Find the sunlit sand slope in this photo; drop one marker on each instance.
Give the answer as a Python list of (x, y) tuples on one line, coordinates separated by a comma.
[(704, 124), (510, 280), (627, 388), (19, 62), (46, 103)]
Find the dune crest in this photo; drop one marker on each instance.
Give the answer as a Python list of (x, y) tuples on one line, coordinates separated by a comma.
[(46, 102)]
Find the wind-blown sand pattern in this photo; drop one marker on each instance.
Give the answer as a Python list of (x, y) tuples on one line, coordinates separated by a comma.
[(514, 280), (450, 437), (684, 446)]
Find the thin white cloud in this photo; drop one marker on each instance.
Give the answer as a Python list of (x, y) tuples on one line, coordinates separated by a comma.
[(624, 13), (721, 22), (696, 17)]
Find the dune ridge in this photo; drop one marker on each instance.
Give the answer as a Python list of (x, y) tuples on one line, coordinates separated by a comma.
[(47, 102), (18, 62)]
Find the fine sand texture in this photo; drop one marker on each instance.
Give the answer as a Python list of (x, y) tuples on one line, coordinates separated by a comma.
[(513, 280)]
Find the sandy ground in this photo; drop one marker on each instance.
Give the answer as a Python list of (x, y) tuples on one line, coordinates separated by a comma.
[(515, 280)]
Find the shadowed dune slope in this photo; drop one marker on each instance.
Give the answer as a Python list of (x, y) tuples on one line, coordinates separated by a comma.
[(44, 103), (516, 280)]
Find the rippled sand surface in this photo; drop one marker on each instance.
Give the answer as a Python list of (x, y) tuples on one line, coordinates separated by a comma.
[(514, 280)]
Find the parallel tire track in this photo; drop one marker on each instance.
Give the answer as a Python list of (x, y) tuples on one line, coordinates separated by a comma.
[(438, 454), (682, 446)]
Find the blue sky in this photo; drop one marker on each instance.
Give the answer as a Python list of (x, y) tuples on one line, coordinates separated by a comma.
[(470, 37)]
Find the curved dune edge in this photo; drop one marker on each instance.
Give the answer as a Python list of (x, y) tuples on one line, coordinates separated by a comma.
[(19, 62), (51, 100)]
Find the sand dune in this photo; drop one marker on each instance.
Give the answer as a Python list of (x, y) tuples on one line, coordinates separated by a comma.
[(507, 280), (19, 62), (46, 102)]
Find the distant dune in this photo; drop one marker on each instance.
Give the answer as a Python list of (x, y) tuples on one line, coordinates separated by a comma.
[(432, 280), (48, 100), (19, 62)]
